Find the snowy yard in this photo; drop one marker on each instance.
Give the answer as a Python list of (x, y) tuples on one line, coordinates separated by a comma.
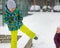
[(44, 24)]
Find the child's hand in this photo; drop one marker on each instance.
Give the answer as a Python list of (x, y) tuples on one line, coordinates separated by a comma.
[(59, 47)]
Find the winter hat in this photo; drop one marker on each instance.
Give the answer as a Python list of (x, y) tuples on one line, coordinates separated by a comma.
[(11, 4)]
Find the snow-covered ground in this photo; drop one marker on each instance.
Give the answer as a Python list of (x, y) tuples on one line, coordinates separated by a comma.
[(44, 24)]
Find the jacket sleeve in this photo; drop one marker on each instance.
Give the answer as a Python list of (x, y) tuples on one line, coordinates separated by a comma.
[(5, 19), (20, 16), (56, 40)]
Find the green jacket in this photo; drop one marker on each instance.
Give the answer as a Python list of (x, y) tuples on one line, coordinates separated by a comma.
[(13, 20)]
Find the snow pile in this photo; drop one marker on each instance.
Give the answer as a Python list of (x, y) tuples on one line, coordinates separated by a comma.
[(45, 7), (49, 7), (35, 7), (56, 7)]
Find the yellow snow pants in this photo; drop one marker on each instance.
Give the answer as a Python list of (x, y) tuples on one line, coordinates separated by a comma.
[(14, 34)]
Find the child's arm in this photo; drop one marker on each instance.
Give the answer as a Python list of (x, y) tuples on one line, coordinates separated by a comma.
[(59, 46), (56, 40), (20, 17), (5, 19)]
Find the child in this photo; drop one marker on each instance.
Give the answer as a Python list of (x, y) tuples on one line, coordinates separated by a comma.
[(13, 18), (57, 38)]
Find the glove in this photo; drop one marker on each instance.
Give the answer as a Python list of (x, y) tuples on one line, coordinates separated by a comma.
[(20, 19)]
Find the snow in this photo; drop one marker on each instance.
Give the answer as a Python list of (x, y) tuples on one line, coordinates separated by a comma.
[(23, 41), (44, 24), (57, 7), (4, 30), (35, 7), (44, 7), (4, 45), (49, 7)]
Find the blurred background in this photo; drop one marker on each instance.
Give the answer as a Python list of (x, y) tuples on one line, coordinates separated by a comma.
[(34, 6), (41, 16)]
